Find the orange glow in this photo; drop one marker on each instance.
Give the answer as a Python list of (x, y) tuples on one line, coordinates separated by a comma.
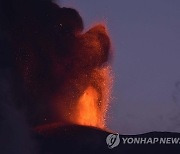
[(86, 92), (91, 107), (88, 111)]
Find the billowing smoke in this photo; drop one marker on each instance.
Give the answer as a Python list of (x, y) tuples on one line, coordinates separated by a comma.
[(59, 72)]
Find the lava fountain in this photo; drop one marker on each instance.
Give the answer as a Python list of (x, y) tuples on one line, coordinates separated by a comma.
[(92, 105)]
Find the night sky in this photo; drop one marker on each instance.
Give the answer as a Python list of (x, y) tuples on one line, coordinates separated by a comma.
[(146, 44)]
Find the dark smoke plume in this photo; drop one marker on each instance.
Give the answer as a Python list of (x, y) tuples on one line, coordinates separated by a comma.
[(51, 59), (46, 64)]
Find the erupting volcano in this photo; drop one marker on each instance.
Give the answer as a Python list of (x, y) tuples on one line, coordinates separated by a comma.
[(61, 72), (56, 83)]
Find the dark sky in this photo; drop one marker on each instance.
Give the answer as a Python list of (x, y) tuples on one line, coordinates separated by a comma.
[(146, 46)]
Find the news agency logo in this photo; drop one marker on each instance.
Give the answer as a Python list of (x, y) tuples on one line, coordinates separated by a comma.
[(112, 140)]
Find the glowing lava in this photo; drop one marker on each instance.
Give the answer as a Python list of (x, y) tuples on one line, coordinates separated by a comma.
[(88, 111), (91, 107)]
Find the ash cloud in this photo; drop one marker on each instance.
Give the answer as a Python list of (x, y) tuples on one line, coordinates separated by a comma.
[(51, 61)]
